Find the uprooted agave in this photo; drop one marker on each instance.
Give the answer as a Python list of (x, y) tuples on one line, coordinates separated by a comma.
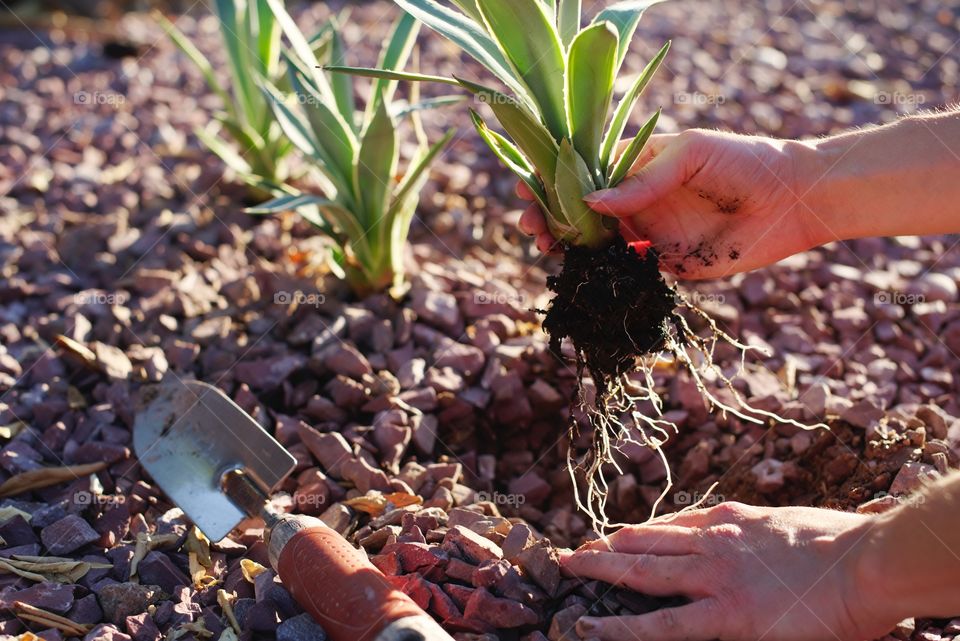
[(562, 134)]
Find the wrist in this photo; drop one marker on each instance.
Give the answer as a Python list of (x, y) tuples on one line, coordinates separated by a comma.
[(877, 598), (813, 184)]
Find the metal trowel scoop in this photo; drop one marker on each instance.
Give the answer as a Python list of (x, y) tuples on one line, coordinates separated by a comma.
[(216, 462)]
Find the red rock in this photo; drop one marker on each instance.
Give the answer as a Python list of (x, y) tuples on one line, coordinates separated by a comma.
[(518, 539), (913, 477), (541, 562), (269, 373), (862, 414), (364, 476), (460, 570), (459, 593), (563, 625), (470, 546), (387, 562), (346, 360), (48, 596), (500, 613), (330, 448), (414, 586), (442, 605), (142, 627), (531, 486)]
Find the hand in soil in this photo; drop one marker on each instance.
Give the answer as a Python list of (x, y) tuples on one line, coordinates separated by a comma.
[(778, 574), (712, 203)]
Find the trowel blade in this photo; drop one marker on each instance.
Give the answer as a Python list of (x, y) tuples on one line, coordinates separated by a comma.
[(187, 434)]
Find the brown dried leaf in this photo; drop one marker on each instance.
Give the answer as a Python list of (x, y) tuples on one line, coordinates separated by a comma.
[(8, 512), (225, 600), (47, 476), (372, 504), (78, 350), (11, 430), (402, 499), (49, 568), (147, 542), (75, 399), (251, 569), (50, 620)]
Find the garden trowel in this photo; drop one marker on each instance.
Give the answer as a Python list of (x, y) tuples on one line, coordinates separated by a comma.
[(216, 462)]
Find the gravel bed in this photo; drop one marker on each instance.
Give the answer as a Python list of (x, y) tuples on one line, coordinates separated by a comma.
[(430, 431)]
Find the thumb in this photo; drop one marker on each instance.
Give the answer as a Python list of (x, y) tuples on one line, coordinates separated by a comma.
[(650, 183)]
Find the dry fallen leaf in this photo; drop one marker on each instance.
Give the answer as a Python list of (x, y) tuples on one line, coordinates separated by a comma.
[(198, 553), (50, 620), (147, 542), (251, 569), (8, 512), (47, 476), (49, 568), (11, 430), (376, 504), (225, 600)]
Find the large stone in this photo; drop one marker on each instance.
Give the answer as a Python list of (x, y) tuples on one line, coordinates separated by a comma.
[(67, 535), (470, 546), (541, 562)]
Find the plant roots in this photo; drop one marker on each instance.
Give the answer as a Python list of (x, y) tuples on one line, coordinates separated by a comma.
[(621, 318)]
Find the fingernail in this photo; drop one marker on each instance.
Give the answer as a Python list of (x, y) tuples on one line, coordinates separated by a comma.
[(596, 196), (587, 625)]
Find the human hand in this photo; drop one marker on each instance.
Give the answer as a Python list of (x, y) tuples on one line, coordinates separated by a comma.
[(711, 203), (776, 574)]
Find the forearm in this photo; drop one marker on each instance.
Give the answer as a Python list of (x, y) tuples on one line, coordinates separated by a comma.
[(899, 179), (908, 560)]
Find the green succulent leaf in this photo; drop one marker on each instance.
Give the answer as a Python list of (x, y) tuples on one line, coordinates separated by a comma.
[(627, 103), (376, 166), (530, 41), (590, 77), (469, 36), (469, 7), (394, 56), (625, 17), (632, 152), (510, 156), (268, 38), (568, 20), (573, 182), (342, 85)]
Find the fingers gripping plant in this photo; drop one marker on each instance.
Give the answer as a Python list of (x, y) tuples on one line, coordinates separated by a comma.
[(561, 133), (365, 209), (251, 39)]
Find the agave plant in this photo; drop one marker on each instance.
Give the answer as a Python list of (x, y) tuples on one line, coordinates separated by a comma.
[(251, 39), (364, 207), (562, 130)]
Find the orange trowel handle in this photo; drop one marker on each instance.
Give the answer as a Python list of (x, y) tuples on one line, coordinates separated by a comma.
[(340, 588)]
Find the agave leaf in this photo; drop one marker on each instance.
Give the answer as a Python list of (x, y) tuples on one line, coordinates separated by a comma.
[(523, 127), (625, 17), (470, 37), (268, 39), (627, 103), (510, 156), (632, 152), (568, 20), (573, 182), (376, 167), (469, 7), (394, 56), (197, 58), (530, 40), (284, 203), (401, 111), (418, 169), (225, 152), (232, 24), (590, 77), (370, 72), (341, 84), (330, 131), (302, 49)]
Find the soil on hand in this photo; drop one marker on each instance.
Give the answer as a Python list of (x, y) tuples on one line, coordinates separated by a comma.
[(613, 305)]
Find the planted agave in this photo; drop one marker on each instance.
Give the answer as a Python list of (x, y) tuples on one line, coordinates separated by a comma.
[(251, 38), (363, 208), (562, 130)]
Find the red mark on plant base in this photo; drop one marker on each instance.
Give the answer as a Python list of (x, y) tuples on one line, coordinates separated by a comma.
[(640, 247)]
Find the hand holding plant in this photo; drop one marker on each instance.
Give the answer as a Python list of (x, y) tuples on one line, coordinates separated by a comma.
[(711, 203)]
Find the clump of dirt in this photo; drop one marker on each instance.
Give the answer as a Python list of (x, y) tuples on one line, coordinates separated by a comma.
[(613, 305)]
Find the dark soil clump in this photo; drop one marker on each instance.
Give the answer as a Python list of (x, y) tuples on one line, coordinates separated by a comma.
[(614, 306)]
